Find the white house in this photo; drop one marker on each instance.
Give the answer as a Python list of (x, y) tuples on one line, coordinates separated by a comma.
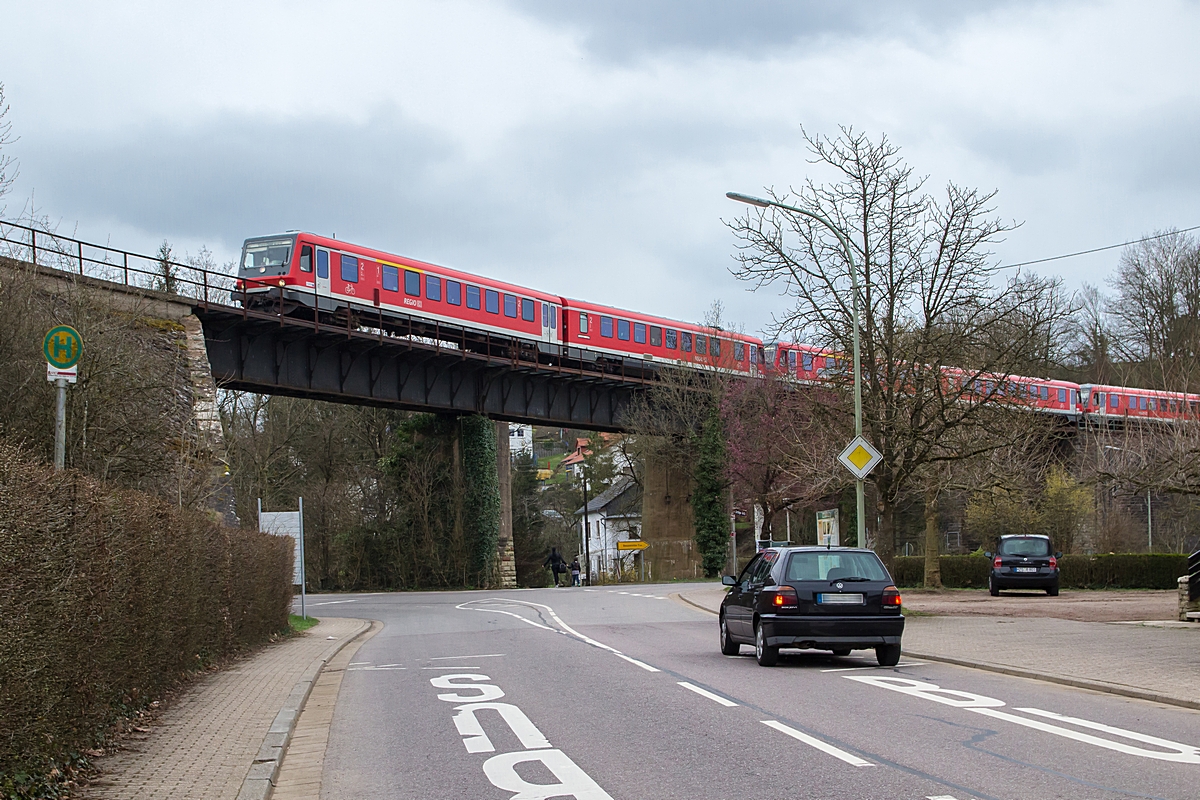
[(520, 440), (615, 515)]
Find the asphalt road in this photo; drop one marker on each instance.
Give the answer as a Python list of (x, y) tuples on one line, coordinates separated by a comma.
[(624, 694)]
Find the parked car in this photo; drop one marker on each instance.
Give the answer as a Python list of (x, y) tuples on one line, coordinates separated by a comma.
[(1024, 561), (837, 599)]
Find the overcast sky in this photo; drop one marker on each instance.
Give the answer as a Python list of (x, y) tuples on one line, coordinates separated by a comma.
[(585, 148)]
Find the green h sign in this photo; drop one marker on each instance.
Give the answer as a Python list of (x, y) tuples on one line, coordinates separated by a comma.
[(63, 346)]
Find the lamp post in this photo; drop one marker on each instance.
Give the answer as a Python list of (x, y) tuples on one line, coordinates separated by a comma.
[(1149, 507), (860, 495)]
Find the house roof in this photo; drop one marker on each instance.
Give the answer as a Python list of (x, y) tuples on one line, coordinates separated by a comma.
[(616, 499)]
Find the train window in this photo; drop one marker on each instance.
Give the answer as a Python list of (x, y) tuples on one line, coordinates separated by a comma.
[(306, 258), (412, 283), (655, 336), (322, 263), (1045, 392), (606, 327), (545, 315), (433, 287), (391, 278), (1174, 408), (671, 338), (701, 345), (1142, 403), (349, 269), (491, 301), (473, 297), (583, 322), (454, 293), (1114, 401), (715, 346), (554, 318), (1062, 395), (791, 359), (753, 354), (639, 333), (527, 310), (687, 342), (510, 306), (808, 362), (623, 330), (739, 352)]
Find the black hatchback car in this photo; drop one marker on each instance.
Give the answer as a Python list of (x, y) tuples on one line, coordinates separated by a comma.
[(1024, 561), (838, 599)]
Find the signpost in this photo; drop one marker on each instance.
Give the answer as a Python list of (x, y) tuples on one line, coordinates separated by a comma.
[(632, 545), (860, 458), (62, 347)]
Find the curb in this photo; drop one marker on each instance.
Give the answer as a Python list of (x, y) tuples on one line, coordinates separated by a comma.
[(1095, 686), (680, 597), (1017, 672), (259, 782)]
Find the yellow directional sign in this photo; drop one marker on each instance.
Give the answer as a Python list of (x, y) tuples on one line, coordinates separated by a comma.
[(62, 346), (634, 545), (860, 457)]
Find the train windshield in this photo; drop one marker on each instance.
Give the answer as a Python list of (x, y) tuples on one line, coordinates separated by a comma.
[(266, 256)]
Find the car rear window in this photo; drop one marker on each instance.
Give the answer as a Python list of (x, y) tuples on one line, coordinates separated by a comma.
[(1024, 547), (828, 566)]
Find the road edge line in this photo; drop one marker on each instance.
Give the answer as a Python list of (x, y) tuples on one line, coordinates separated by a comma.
[(1077, 683), (259, 783)]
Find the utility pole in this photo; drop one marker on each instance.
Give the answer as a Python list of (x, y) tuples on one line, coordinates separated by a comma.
[(587, 532)]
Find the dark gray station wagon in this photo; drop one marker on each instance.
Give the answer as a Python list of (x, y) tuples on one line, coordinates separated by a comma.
[(838, 599)]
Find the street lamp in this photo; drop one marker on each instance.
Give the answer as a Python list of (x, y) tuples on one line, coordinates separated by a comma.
[(1149, 507), (845, 242)]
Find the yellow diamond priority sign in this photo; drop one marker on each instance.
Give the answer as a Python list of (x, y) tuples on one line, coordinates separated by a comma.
[(860, 457)]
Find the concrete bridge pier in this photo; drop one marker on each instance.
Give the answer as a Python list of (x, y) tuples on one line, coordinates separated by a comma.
[(667, 523), (506, 560)]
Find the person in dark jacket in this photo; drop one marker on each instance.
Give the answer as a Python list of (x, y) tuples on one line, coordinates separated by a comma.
[(575, 570), (556, 563)]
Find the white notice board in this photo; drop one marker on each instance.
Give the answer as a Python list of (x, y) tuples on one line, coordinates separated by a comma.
[(286, 523)]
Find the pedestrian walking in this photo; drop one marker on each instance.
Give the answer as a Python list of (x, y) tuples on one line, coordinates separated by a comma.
[(557, 564), (575, 571)]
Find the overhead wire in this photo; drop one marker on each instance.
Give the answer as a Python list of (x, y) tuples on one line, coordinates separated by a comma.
[(1102, 249)]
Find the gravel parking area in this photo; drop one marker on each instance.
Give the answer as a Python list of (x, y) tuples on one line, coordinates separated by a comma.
[(1081, 605)]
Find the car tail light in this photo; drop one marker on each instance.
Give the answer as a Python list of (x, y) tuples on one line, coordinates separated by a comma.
[(1053, 562), (891, 597), (785, 597), (996, 562)]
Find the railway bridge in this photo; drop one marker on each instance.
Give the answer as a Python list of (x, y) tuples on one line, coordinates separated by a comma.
[(404, 363)]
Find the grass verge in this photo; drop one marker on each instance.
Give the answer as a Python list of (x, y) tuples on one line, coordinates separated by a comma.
[(296, 623)]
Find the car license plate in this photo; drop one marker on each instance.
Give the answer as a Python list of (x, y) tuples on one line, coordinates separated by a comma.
[(841, 599), (1024, 569)]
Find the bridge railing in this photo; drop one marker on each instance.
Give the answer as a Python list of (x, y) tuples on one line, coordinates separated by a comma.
[(55, 251)]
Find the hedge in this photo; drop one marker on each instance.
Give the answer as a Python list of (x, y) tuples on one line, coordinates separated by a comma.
[(1111, 571), (108, 598)]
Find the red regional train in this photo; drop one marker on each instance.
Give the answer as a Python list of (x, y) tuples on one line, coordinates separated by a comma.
[(303, 273), (306, 274)]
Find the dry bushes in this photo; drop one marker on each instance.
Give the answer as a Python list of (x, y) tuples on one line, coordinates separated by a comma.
[(108, 597)]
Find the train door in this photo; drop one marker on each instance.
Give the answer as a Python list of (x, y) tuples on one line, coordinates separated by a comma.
[(322, 272), (550, 315)]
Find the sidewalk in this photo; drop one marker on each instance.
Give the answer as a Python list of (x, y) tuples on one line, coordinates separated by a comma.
[(1151, 663), (204, 746)]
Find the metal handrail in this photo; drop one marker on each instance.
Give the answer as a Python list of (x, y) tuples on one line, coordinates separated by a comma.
[(208, 288), (1194, 576)]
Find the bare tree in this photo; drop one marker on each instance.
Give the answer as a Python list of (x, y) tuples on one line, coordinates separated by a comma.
[(929, 302), (8, 164)]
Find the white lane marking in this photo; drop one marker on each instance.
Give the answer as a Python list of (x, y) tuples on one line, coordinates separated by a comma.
[(452, 666), (812, 741), (876, 666), (335, 602), (558, 620), (572, 781), (487, 692), (358, 663), (507, 613), (478, 742), (705, 693), (1183, 753), (989, 707), (451, 658), (374, 669)]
